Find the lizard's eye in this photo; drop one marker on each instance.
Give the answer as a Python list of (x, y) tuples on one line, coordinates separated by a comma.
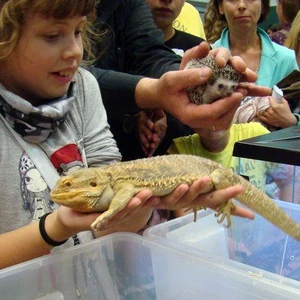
[(67, 184), (93, 184)]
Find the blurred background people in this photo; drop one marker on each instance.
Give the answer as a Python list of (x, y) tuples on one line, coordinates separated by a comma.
[(286, 11), (189, 21), (293, 39)]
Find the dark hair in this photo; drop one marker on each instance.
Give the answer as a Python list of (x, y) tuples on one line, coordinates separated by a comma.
[(263, 16)]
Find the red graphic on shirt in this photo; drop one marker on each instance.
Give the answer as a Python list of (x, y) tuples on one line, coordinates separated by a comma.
[(66, 158)]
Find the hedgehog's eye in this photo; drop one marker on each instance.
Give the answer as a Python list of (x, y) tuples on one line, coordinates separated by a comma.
[(93, 184), (220, 86)]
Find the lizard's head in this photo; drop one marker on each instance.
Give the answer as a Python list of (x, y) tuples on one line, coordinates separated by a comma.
[(82, 189)]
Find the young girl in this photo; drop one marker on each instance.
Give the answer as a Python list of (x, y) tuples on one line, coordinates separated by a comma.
[(48, 101)]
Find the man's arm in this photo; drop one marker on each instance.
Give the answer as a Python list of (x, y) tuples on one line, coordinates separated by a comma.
[(135, 49), (112, 85)]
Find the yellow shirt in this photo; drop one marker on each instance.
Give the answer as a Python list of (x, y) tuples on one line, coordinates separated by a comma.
[(189, 21)]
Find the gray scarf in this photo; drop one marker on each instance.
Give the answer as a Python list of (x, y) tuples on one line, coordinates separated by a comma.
[(35, 124)]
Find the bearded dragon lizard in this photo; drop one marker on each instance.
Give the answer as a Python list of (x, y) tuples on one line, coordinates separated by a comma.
[(108, 189)]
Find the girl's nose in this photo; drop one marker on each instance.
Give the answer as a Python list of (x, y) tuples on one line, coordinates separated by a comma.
[(73, 48)]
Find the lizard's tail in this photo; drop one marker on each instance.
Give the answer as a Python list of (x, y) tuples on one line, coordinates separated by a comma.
[(258, 201)]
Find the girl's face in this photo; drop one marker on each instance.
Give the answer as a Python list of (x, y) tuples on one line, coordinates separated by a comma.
[(45, 59), (241, 13)]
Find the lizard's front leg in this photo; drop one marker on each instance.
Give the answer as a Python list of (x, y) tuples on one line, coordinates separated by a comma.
[(119, 201)]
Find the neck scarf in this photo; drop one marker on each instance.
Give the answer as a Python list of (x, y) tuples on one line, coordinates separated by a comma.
[(35, 124)]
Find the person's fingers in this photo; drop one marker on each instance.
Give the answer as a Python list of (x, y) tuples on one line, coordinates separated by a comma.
[(147, 132), (242, 212), (158, 115), (144, 141), (200, 51), (198, 187), (240, 66), (217, 197), (170, 201), (255, 90), (155, 138), (186, 78), (207, 115), (184, 195), (218, 114), (221, 55)]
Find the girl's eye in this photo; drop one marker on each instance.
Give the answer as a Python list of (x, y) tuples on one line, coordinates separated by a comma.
[(51, 37), (78, 31)]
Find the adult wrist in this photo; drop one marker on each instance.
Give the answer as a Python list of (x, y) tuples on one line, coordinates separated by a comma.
[(145, 93)]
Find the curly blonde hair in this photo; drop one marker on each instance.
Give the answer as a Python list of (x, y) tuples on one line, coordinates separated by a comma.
[(13, 12), (214, 23)]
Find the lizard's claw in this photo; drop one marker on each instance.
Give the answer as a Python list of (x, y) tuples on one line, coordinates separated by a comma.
[(195, 214), (196, 211), (224, 211), (98, 223)]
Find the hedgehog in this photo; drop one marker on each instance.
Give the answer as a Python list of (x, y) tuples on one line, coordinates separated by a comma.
[(223, 82)]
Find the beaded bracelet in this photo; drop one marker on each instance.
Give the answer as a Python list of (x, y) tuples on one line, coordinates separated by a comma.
[(44, 234)]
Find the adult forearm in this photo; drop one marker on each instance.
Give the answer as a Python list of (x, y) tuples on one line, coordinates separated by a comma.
[(146, 95), (117, 89), (115, 81)]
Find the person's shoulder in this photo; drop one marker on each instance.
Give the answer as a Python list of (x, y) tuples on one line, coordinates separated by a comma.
[(183, 40), (277, 47), (223, 40), (283, 51), (189, 36), (86, 82), (85, 75)]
